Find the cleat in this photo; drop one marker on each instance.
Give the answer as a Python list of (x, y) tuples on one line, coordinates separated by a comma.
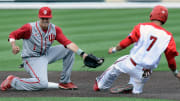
[(95, 87), (68, 86), (6, 84), (122, 90)]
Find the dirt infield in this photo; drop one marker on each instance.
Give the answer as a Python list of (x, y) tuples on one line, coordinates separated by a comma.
[(162, 85)]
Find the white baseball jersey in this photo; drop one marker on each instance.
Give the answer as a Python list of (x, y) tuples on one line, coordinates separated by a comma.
[(151, 42)]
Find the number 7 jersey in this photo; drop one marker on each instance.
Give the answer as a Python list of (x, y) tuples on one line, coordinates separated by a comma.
[(151, 41)]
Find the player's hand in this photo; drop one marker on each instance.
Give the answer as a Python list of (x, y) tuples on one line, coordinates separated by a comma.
[(178, 75), (84, 56), (110, 50), (15, 49)]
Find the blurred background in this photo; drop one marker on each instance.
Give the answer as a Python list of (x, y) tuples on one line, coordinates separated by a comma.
[(94, 25), (89, 0)]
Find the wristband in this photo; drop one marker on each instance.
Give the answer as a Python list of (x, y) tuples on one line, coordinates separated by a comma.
[(175, 72), (79, 51), (82, 54), (11, 40), (114, 50)]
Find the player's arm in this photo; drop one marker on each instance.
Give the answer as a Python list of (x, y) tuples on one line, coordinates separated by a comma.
[(22, 33), (61, 38), (170, 54), (72, 46), (132, 37), (172, 64), (122, 45)]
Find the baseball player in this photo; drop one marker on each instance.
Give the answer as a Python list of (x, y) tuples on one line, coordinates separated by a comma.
[(150, 41), (37, 53)]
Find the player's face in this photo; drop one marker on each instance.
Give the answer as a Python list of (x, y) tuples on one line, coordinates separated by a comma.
[(44, 22)]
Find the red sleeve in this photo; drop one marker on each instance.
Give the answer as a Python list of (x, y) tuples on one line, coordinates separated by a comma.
[(171, 61), (132, 37), (61, 38), (171, 49), (126, 42), (135, 34), (170, 54), (22, 33)]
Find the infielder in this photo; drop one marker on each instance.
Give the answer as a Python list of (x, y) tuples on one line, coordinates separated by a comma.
[(37, 53), (150, 41)]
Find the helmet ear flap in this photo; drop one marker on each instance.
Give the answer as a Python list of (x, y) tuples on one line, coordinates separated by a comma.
[(150, 15)]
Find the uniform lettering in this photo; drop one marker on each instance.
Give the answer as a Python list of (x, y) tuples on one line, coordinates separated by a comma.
[(51, 38), (154, 40)]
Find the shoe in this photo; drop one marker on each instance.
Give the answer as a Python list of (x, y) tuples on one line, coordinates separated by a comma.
[(122, 90), (95, 87), (6, 84), (68, 86)]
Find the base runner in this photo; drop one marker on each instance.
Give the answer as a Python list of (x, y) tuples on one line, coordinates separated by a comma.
[(150, 41)]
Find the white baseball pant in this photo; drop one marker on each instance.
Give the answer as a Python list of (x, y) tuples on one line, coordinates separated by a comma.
[(123, 65)]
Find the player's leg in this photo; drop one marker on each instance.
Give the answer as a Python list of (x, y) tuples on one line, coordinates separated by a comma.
[(60, 52), (125, 66), (109, 76), (37, 68), (106, 79), (137, 79)]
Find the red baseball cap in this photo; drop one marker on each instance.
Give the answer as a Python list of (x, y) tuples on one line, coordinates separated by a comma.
[(45, 12), (159, 13)]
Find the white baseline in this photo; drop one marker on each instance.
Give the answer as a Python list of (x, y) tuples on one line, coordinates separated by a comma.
[(86, 5)]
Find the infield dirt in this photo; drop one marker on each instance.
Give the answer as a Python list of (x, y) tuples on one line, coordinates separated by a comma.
[(162, 85)]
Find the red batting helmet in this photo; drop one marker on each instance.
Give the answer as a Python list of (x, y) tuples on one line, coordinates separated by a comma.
[(45, 12), (159, 13)]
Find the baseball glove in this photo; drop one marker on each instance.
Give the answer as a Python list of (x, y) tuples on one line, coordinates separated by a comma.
[(147, 73), (92, 61)]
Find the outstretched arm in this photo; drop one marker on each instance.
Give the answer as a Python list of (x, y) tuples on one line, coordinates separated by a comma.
[(132, 37), (122, 45), (61, 38), (89, 60), (72, 46)]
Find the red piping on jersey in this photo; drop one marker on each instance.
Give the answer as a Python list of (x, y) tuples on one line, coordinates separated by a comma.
[(49, 28), (120, 60), (110, 68), (133, 62), (34, 47), (45, 45), (45, 38), (33, 73), (41, 38), (103, 74)]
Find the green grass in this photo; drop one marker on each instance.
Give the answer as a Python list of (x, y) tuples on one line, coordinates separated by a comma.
[(93, 30), (80, 99)]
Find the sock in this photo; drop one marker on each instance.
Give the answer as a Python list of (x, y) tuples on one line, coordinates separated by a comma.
[(53, 85)]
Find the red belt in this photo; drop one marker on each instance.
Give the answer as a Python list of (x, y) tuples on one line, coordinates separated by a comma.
[(133, 62)]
